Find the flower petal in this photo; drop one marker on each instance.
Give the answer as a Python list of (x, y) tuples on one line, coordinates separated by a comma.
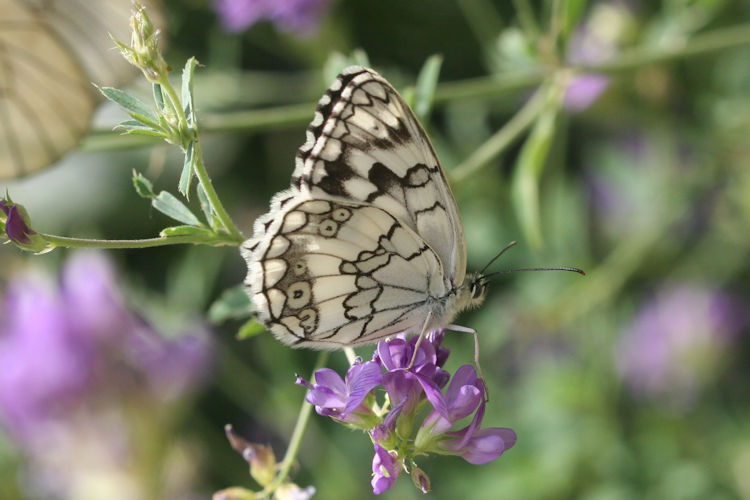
[(488, 444), (385, 470), (360, 380)]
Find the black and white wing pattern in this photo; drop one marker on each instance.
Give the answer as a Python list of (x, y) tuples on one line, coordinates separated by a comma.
[(368, 242)]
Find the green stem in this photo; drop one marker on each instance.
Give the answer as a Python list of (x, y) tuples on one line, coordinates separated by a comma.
[(704, 43), (474, 88), (200, 166), (213, 197), (64, 241), (296, 440), (503, 138)]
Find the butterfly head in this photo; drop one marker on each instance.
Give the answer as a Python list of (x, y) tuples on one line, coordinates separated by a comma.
[(476, 290)]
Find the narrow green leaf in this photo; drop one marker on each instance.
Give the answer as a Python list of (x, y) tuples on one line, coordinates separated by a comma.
[(187, 170), (142, 185), (574, 9), (528, 171), (134, 107), (233, 304), (187, 90), (250, 329), (144, 131), (201, 234), (169, 205), (424, 91), (211, 218), (158, 97)]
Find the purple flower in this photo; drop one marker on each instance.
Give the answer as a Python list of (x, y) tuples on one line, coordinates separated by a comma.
[(464, 396), (288, 15), (584, 90), (44, 362), (391, 424), (15, 226), (343, 400), (61, 345), (676, 342), (385, 470)]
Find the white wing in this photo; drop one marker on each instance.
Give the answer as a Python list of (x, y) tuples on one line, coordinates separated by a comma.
[(365, 144), (327, 274), (50, 52)]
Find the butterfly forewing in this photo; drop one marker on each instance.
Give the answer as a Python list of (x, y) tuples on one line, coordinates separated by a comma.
[(365, 144)]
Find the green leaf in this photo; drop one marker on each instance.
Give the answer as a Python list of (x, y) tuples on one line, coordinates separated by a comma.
[(134, 107), (142, 130), (142, 185), (528, 171), (233, 304), (187, 170), (574, 9), (187, 90), (169, 205), (211, 218), (424, 92), (158, 97), (201, 234), (250, 329)]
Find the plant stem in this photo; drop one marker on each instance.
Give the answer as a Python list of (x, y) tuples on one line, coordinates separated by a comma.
[(213, 197), (473, 88), (296, 440), (704, 43), (64, 241), (200, 166), (501, 139)]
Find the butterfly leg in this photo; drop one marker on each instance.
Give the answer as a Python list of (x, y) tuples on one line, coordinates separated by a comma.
[(463, 329), (419, 340)]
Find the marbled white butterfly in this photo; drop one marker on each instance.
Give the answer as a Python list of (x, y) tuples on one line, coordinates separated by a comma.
[(368, 241)]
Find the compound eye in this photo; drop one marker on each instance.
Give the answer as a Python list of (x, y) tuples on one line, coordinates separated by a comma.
[(477, 290)]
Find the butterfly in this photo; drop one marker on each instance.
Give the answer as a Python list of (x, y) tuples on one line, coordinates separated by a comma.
[(50, 52), (368, 241)]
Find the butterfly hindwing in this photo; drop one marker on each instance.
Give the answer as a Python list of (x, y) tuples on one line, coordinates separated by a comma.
[(366, 145), (327, 274)]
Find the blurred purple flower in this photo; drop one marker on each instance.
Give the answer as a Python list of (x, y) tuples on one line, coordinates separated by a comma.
[(61, 346), (408, 391), (586, 48), (288, 15), (584, 90), (676, 341), (15, 226)]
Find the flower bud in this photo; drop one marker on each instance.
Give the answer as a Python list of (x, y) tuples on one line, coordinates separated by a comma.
[(15, 223), (260, 457), (420, 479), (143, 52)]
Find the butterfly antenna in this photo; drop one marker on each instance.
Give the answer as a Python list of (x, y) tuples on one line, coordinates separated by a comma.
[(508, 271), (509, 245)]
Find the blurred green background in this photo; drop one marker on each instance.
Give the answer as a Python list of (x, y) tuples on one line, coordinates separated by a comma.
[(631, 382)]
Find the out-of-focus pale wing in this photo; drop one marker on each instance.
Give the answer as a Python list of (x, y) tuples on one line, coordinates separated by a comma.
[(50, 53)]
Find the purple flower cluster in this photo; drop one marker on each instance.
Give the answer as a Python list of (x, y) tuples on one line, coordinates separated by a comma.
[(678, 341), (352, 401), (289, 15), (62, 345)]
